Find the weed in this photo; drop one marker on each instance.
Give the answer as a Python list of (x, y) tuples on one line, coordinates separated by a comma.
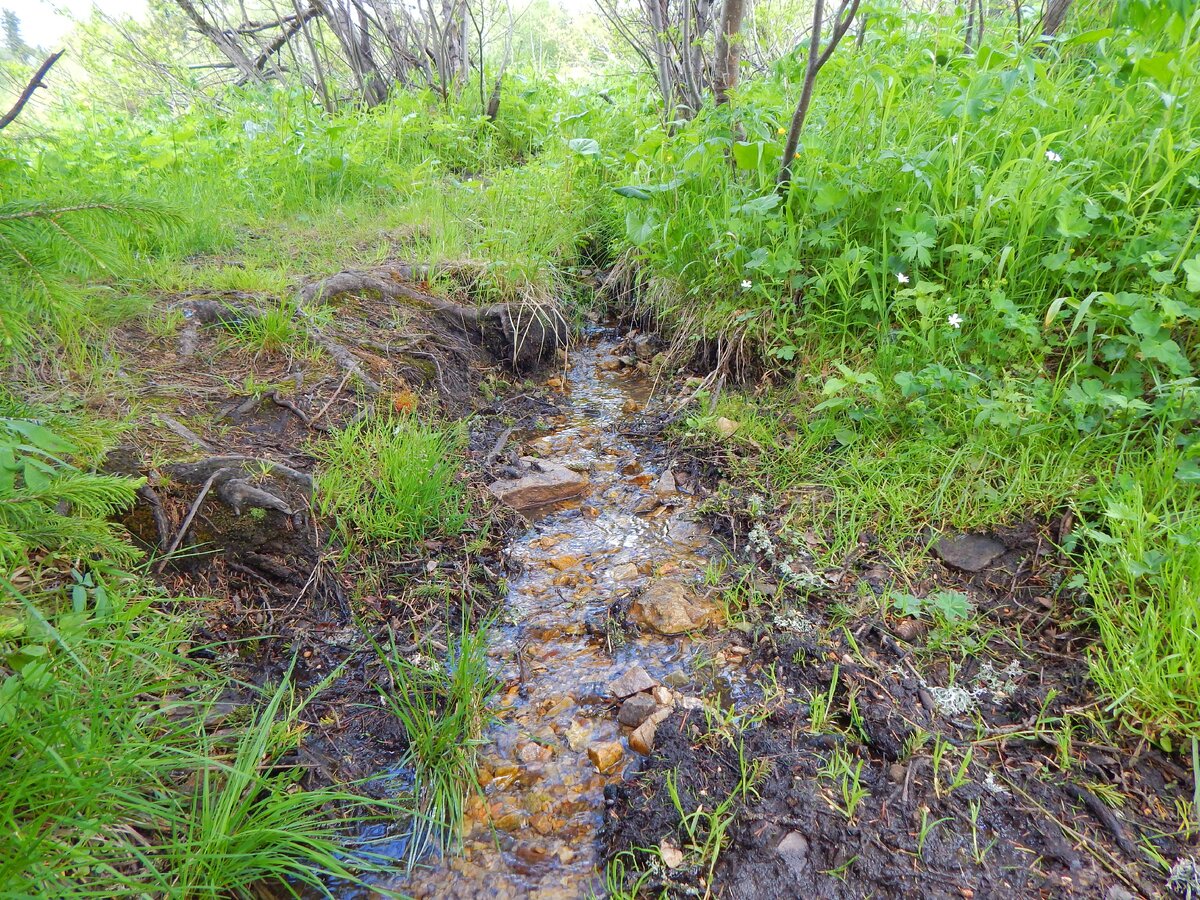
[(847, 775), (443, 711), (391, 481)]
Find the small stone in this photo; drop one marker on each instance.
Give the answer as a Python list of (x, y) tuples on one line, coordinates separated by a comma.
[(672, 856), (562, 563), (577, 735), (909, 629), (794, 850), (605, 756), (634, 681), (509, 822), (609, 365), (630, 406), (727, 427), (662, 696), (627, 361), (897, 771), (666, 484), (642, 737), (624, 572), (969, 552), (643, 347), (689, 703), (677, 678), (1116, 892), (637, 709)]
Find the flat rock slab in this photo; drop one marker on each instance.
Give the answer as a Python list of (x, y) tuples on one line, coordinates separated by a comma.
[(969, 552), (552, 484)]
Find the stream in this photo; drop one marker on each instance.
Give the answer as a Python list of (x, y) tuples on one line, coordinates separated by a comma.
[(533, 830)]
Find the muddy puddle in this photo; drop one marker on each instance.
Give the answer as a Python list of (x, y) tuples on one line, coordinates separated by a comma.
[(533, 829)]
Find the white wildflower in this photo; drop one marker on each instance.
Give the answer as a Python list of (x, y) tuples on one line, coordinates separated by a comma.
[(747, 284), (902, 278), (1052, 156), (955, 320)]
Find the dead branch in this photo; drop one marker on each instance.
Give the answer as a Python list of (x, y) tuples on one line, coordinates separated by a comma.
[(34, 83)]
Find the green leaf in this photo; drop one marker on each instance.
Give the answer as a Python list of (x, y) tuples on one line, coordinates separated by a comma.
[(1188, 470), (633, 192), (586, 147), (953, 605), (1192, 269), (39, 436)]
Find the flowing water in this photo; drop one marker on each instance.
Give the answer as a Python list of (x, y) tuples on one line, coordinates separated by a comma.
[(533, 830)]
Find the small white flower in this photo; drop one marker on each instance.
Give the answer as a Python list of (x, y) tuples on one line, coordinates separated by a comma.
[(1052, 156), (954, 139), (955, 320), (747, 284), (902, 278)]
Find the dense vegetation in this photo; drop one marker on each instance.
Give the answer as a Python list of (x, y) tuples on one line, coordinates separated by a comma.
[(981, 286)]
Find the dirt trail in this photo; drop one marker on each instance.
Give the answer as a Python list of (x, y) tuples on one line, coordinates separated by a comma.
[(572, 574)]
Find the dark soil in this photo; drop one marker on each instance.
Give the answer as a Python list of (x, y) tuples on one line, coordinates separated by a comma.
[(273, 592), (1050, 803)]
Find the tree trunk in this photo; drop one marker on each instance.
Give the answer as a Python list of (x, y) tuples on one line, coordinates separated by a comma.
[(1056, 11), (729, 49)]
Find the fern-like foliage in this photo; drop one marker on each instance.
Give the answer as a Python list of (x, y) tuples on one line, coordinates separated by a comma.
[(48, 252), (48, 505)]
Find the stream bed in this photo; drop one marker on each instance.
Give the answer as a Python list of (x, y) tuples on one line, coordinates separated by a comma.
[(533, 830)]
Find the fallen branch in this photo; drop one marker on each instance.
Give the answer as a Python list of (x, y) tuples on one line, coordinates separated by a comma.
[(187, 520), (197, 472)]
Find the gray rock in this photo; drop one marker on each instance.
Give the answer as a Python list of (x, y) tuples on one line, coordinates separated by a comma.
[(666, 484), (634, 681), (643, 346), (547, 483), (1116, 892), (969, 552), (637, 709), (794, 850)]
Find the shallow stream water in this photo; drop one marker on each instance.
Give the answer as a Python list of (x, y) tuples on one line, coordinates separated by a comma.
[(534, 829)]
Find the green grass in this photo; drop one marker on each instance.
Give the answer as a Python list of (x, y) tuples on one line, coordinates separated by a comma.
[(442, 706), (1141, 566), (391, 482)]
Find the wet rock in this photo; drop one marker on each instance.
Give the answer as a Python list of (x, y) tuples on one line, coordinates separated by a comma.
[(666, 484), (643, 347), (536, 488), (727, 427), (637, 709), (605, 756), (641, 740), (624, 572), (562, 563), (669, 607), (608, 365), (676, 678), (969, 552), (662, 696), (634, 681), (794, 851)]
